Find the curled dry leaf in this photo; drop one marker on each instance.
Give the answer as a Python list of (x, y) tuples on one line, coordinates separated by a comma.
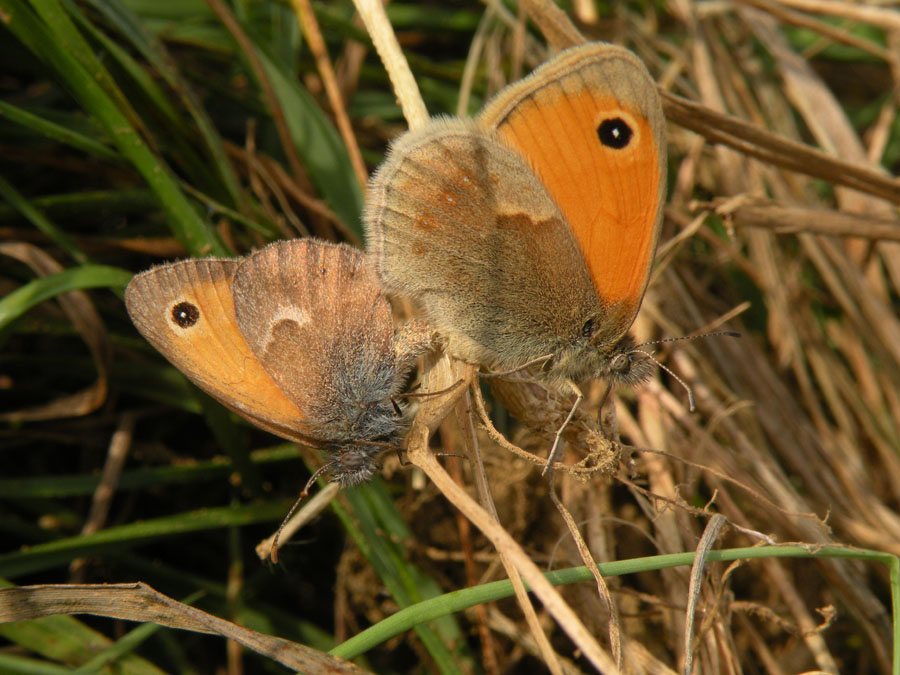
[(78, 306)]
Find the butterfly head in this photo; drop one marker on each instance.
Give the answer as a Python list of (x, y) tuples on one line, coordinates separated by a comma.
[(353, 465), (359, 439), (620, 362), (623, 362)]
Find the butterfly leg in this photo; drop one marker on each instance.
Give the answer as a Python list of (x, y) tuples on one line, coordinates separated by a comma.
[(541, 360), (397, 410), (412, 339), (556, 442)]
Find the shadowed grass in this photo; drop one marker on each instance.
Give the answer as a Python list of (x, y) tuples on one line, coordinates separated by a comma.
[(139, 132)]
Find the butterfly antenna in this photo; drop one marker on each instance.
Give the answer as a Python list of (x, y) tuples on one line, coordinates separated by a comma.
[(426, 394), (687, 388), (726, 333), (309, 483), (303, 495), (377, 444)]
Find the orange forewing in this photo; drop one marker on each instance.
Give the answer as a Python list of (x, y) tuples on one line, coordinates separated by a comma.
[(610, 198), (212, 351)]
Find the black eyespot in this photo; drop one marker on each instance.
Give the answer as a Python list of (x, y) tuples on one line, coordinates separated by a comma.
[(615, 133), (185, 314), (587, 330)]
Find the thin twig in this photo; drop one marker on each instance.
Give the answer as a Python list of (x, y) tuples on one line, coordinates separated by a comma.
[(313, 33)]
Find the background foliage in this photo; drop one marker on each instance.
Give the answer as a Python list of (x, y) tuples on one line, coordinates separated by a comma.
[(138, 132)]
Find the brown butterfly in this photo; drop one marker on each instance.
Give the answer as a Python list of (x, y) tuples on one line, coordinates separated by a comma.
[(297, 338), (527, 235)]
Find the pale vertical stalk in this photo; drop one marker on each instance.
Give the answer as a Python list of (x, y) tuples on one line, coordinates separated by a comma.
[(402, 81), (464, 416), (439, 375)]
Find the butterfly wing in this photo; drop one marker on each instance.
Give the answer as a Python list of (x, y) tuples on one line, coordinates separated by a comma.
[(590, 124), (314, 317), (186, 311), (460, 224)]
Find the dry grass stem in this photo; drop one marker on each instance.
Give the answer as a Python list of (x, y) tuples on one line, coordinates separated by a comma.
[(313, 33), (781, 223), (402, 80), (80, 310), (139, 602)]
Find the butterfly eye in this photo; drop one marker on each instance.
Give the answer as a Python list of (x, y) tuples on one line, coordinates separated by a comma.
[(185, 314), (587, 330), (615, 133), (620, 364)]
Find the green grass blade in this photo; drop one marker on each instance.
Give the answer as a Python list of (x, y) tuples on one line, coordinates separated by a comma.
[(319, 145), (41, 222), (408, 585), (57, 132), (39, 290), (49, 43), (63, 551), (429, 610)]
